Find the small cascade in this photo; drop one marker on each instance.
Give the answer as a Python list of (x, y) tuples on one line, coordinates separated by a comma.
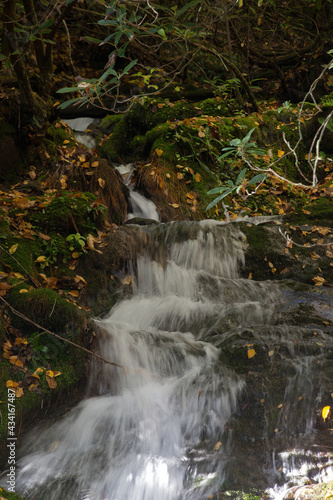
[(218, 385), (80, 126), (142, 207)]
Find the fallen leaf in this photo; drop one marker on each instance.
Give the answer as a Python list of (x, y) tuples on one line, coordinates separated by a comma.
[(270, 353), (251, 353), (319, 280), (325, 412), (41, 258), (90, 242), (197, 177), (280, 153), (44, 237), (74, 293), (158, 151), (94, 164), (51, 382), (13, 249), (217, 446), (180, 176)]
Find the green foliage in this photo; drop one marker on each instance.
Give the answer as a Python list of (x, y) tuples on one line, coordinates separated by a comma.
[(76, 242), (242, 147), (236, 187)]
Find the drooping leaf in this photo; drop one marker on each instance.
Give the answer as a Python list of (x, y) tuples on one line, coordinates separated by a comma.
[(325, 412)]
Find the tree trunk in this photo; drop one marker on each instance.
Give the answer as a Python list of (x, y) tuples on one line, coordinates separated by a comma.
[(33, 111)]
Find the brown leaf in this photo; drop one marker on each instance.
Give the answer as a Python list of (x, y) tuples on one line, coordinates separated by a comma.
[(90, 242), (44, 237), (101, 182), (51, 382), (180, 176)]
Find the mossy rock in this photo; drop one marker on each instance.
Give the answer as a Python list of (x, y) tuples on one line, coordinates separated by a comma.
[(8, 495), (68, 213), (47, 308)]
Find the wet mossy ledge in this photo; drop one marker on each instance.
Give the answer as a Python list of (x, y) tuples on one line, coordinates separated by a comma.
[(8, 495)]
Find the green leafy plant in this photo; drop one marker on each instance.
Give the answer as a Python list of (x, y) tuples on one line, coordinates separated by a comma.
[(241, 147), (229, 187), (76, 242), (285, 105)]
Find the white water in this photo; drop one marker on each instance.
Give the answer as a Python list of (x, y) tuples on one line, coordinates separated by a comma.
[(155, 431), (161, 429), (141, 206)]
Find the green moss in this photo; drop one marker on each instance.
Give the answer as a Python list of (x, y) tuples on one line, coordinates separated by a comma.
[(8, 495), (59, 134), (109, 122), (47, 308), (68, 214), (23, 256)]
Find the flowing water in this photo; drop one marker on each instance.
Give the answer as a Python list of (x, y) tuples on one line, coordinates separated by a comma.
[(175, 422)]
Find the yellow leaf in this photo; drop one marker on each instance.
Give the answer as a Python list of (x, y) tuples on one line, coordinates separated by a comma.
[(251, 353), (319, 281), (174, 205), (270, 353), (217, 446), (158, 151), (191, 171), (41, 258), (180, 166), (127, 280), (86, 164), (74, 293), (66, 141), (24, 290), (197, 177), (168, 176), (13, 248), (280, 153), (49, 373), (75, 255), (19, 392), (262, 401), (10, 383), (280, 405), (94, 164), (201, 133), (325, 412)]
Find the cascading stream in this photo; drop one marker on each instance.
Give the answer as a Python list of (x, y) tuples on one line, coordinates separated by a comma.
[(155, 429), (162, 429)]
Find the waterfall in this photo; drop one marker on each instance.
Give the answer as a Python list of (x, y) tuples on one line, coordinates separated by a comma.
[(141, 206), (172, 423), (159, 428)]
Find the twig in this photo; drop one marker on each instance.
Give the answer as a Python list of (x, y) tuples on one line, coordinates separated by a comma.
[(37, 285), (20, 315), (290, 242)]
